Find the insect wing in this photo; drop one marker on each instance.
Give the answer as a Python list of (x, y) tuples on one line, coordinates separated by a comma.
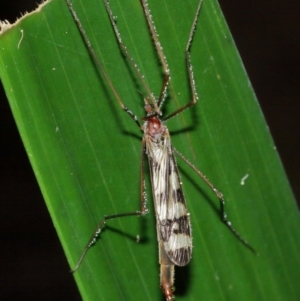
[(173, 220), (176, 232)]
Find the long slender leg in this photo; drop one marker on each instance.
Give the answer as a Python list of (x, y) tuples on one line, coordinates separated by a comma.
[(189, 67), (126, 53), (97, 233), (221, 199), (143, 195), (143, 211), (160, 53), (99, 64)]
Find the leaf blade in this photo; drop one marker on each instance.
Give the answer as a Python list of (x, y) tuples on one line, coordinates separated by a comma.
[(69, 121)]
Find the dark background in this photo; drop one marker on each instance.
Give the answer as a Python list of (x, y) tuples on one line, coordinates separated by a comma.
[(267, 36)]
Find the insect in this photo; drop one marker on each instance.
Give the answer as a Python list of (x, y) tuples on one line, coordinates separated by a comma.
[(172, 217)]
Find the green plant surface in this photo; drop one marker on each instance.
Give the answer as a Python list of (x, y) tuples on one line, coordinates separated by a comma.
[(85, 151)]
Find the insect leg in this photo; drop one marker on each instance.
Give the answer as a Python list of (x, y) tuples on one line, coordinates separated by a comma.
[(126, 53), (160, 53), (97, 233), (221, 199), (189, 67), (99, 64), (142, 212), (144, 209)]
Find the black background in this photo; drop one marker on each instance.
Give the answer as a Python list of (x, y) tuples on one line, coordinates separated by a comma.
[(267, 36)]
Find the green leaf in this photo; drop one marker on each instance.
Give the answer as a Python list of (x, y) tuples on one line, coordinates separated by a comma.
[(85, 151)]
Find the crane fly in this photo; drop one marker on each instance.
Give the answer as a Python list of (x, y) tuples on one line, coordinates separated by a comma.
[(172, 218)]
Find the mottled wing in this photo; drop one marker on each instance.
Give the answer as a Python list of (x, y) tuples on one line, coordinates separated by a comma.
[(172, 216), (176, 228)]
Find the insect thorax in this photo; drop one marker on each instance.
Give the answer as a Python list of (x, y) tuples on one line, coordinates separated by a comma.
[(156, 136)]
